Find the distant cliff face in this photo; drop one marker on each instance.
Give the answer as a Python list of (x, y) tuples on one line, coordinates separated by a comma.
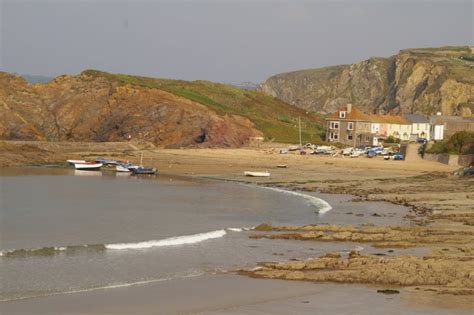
[(92, 108), (414, 81)]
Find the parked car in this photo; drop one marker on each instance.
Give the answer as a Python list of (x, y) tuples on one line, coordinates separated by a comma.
[(398, 157), (371, 153)]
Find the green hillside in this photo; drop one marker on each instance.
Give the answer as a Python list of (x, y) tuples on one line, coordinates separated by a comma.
[(276, 119)]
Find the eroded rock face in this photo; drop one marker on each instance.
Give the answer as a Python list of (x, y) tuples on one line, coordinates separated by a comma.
[(91, 108), (413, 81)]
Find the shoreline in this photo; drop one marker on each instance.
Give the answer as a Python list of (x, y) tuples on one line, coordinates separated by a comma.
[(412, 184), (246, 295)]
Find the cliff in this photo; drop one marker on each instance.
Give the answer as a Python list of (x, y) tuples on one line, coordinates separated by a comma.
[(99, 106), (423, 81)]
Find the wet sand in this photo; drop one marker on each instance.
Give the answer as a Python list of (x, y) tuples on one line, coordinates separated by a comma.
[(204, 295)]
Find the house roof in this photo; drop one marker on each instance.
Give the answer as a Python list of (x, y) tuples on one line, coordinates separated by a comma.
[(389, 119), (441, 119), (416, 118), (355, 114)]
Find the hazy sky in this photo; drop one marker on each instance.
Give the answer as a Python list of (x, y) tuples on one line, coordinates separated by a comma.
[(220, 40)]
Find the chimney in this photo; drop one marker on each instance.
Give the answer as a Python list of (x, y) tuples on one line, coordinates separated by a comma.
[(349, 108)]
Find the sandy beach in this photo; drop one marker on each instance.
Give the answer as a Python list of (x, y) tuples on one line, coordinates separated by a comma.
[(440, 221)]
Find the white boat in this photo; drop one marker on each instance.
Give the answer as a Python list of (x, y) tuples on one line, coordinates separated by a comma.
[(257, 174), (122, 168), (88, 166), (72, 162)]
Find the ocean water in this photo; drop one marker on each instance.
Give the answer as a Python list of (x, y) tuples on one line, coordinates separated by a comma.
[(64, 231)]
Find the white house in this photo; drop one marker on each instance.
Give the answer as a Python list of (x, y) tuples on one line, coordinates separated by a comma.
[(420, 126)]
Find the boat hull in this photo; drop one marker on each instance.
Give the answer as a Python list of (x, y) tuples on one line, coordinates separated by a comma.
[(144, 171), (72, 162), (257, 174), (88, 166)]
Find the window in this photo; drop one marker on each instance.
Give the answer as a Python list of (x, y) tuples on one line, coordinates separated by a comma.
[(334, 125), (350, 126), (349, 136), (342, 114), (333, 136)]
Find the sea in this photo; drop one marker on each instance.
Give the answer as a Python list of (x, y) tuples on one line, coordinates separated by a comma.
[(64, 231)]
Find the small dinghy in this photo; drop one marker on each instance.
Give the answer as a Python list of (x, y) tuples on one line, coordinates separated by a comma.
[(88, 166), (125, 168), (143, 171), (72, 162), (257, 174)]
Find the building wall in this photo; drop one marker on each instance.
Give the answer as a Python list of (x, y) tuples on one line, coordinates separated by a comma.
[(344, 134), (399, 131), (452, 127), (422, 130), (383, 130), (437, 132)]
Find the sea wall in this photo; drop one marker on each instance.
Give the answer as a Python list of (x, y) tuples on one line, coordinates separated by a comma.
[(450, 159)]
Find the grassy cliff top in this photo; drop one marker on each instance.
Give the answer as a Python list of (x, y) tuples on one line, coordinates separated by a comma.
[(276, 119)]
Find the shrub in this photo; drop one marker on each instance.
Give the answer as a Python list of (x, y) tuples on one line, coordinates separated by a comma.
[(392, 139), (437, 148), (462, 142)]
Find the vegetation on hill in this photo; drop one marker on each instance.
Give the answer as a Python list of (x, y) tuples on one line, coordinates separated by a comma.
[(277, 120)]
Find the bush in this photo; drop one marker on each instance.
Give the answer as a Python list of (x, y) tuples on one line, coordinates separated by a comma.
[(437, 148), (392, 139), (462, 142)]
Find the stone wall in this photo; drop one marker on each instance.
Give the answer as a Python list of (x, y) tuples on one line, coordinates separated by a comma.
[(450, 159)]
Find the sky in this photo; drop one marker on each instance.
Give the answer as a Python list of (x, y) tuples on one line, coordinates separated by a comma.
[(228, 41)]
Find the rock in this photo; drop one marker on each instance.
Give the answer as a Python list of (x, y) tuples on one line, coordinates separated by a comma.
[(388, 291), (93, 107), (312, 235), (414, 80), (332, 255)]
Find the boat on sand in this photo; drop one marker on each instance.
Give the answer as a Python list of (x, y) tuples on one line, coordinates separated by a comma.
[(88, 166), (143, 171), (125, 168), (72, 162), (257, 174)]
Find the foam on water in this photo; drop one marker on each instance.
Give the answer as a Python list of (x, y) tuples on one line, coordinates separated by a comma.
[(322, 205), (112, 286), (172, 241)]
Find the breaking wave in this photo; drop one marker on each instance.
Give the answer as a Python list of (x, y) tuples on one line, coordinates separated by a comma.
[(322, 205), (73, 249), (172, 241)]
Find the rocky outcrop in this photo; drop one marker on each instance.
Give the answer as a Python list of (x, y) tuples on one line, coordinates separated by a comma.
[(93, 108), (396, 236), (439, 273), (414, 81)]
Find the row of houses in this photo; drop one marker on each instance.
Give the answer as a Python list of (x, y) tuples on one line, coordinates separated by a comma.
[(353, 127)]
